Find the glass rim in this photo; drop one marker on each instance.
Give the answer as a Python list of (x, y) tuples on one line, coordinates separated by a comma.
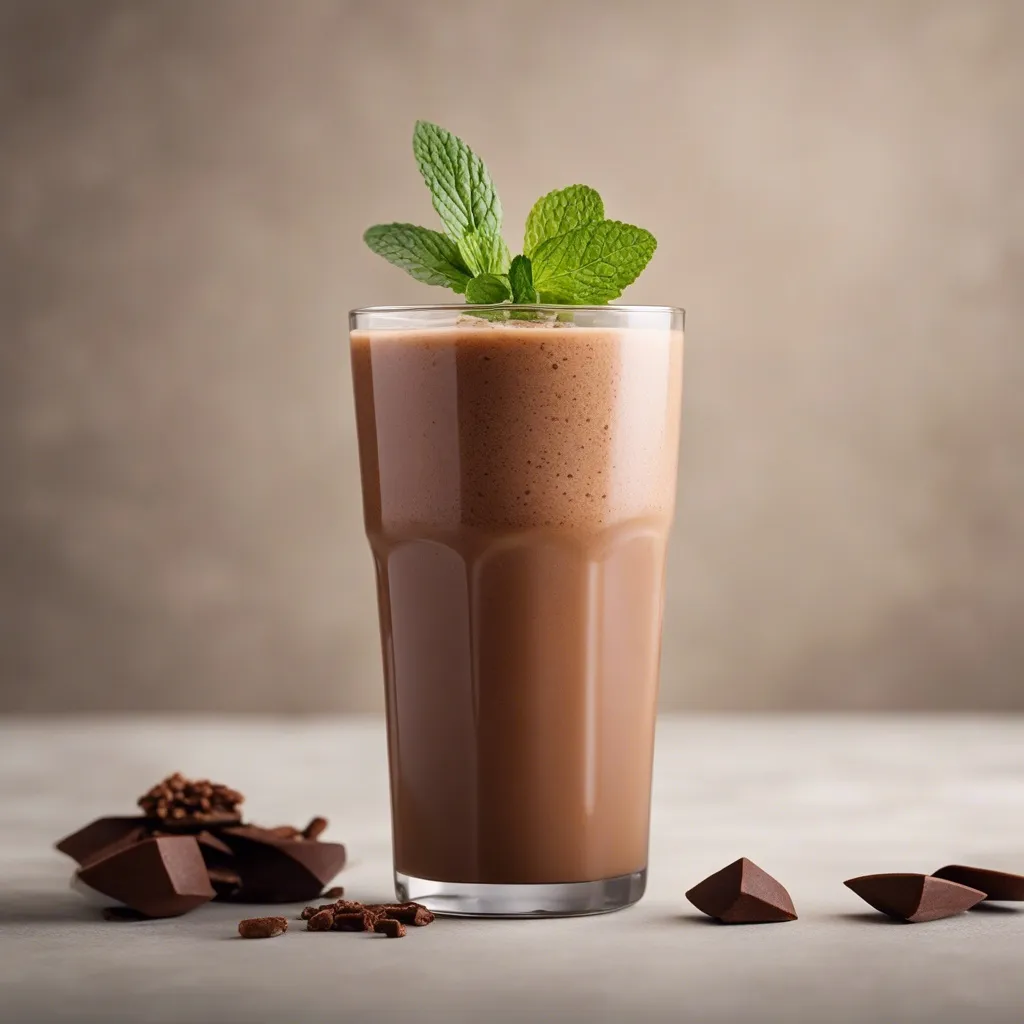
[(468, 307)]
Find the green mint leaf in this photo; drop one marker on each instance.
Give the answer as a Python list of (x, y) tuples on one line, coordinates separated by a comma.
[(520, 278), (484, 254), (462, 190), (427, 255), (592, 264), (559, 212), (486, 289)]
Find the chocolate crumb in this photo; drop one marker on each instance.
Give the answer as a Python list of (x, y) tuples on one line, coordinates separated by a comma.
[(390, 927), (334, 893), (262, 927)]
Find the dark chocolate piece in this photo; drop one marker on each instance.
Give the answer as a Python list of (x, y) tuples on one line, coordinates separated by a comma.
[(160, 877), (262, 927), (101, 837), (226, 882), (390, 927), (276, 870), (334, 893), (996, 885), (742, 893), (914, 898)]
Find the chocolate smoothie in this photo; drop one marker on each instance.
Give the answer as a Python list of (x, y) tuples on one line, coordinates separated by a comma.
[(519, 483)]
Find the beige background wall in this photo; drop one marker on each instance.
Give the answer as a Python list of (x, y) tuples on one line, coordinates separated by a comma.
[(838, 188)]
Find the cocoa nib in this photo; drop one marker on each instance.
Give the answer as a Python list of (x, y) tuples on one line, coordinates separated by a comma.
[(262, 927), (351, 916), (177, 799), (321, 921)]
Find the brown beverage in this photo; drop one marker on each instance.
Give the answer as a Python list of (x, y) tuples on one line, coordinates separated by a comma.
[(518, 485)]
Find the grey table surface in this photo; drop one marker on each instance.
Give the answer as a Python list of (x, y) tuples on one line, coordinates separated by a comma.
[(812, 799)]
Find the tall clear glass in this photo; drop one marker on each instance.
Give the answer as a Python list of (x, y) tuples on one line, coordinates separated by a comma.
[(519, 477)]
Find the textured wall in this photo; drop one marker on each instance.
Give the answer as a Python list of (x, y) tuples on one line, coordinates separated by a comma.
[(838, 188)]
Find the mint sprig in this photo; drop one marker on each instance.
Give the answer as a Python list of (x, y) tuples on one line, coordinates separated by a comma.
[(572, 254), (559, 212), (486, 289), (520, 278), (591, 264), (427, 255), (464, 195)]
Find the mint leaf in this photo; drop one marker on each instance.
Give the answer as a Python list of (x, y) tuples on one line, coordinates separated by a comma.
[(427, 255), (520, 278), (591, 264), (484, 254), (561, 211), (485, 289), (463, 193)]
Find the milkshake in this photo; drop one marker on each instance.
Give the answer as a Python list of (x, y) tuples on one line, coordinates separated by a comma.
[(519, 482)]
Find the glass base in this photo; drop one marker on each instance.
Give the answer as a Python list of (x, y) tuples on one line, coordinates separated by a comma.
[(563, 899)]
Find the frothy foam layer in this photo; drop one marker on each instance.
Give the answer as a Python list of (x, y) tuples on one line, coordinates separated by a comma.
[(505, 425)]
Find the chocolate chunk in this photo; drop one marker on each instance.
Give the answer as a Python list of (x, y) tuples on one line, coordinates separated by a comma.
[(390, 927), (334, 893), (996, 885), (209, 843), (101, 837), (276, 870), (914, 898), (742, 893), (160, 877), (262, 927), (226, 882)]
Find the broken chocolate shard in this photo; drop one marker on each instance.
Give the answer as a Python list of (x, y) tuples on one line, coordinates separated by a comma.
[(996, 885), (160, 877), (914, 898), (226, 882), (277, 870), (209, 842), (101, 837), (742, 893)]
